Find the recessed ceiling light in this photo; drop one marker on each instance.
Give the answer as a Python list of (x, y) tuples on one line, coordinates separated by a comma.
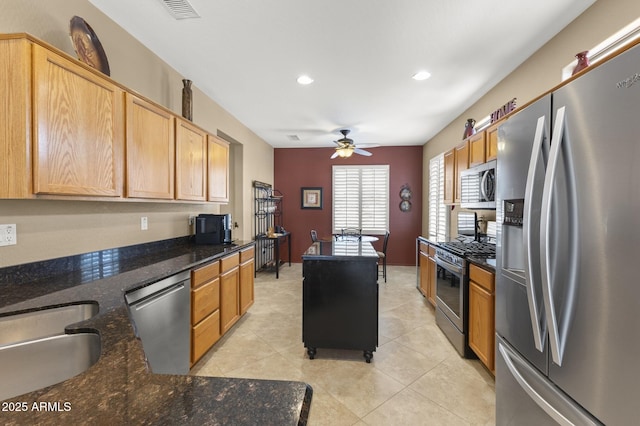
[(421, 75), (305, 79)]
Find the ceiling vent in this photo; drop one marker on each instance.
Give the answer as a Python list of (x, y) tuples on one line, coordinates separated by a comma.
[(180, 9), (293, 138)]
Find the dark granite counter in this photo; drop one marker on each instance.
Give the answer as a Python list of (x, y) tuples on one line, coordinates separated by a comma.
[(488, 264), (119, 388), (337, 250)]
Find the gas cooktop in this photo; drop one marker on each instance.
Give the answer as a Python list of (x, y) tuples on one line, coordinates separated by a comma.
[(470, 248)]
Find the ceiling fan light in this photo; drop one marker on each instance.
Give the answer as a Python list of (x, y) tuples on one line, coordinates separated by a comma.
[(421, 75), (344, 152), (304, 80)]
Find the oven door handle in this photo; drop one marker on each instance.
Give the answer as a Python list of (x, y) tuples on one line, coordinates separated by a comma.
[(449, 266)]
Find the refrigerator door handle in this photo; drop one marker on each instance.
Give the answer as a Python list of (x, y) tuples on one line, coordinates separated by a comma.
[(570, 416), (557, 348), (536, 312)]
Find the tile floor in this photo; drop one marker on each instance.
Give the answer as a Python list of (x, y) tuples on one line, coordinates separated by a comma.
[(415, 377)]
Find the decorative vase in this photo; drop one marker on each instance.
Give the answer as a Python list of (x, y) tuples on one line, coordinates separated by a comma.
[(187, 102), (583, 62), (468, 128)]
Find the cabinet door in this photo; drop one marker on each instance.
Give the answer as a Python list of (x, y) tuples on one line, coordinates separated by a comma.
[(204, 335), (477, 149), (229, 299), (204, 300), (218, 170), (246, 285), (431, 293), (191, 162), (15, 116), (78, 129), (462, 163), (424, 273), (492, 141), (449, 176), (150, 150), (482, 324)]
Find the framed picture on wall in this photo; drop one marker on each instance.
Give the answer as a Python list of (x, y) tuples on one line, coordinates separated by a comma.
[(311, 198)]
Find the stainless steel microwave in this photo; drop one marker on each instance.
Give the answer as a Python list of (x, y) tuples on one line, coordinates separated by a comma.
[(478, 187)]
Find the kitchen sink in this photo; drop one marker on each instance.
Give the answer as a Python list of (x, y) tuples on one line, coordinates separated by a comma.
[(34, 364), (43, 323)]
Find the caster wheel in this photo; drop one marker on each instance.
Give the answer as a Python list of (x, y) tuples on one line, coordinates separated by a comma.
[(367, 356), (311, 352)]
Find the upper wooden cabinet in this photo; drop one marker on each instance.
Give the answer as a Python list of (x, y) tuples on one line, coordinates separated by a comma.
[(218, 170), (78, 139), (191, 162), (477, 149), (492, 141), (150, 150), (15, 116), (68, 131), (462, 163)]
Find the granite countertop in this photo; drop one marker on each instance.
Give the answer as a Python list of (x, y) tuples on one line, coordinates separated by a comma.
[(340, 250), (119, 388), (488, 264)]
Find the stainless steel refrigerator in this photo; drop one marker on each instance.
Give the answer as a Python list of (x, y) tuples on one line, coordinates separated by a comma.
[(568, 253)]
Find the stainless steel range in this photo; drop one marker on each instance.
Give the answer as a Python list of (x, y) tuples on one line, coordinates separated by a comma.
[(452, 289)]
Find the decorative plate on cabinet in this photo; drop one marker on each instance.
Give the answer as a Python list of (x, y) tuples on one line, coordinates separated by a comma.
[(87, 46), (405, 205)]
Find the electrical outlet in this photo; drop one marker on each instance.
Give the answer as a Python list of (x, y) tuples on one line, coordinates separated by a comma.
[(192, 220), (8, 235), (144, 224)]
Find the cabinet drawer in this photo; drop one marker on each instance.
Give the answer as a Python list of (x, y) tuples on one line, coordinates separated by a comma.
[(204, 274), (482, 277), (432, 251), (204, 335), (229, 262), (247, 254), (204, 300), (424, 247)]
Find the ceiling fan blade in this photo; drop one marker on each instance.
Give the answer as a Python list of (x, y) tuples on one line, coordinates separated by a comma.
[(335, 154), (362, 152)]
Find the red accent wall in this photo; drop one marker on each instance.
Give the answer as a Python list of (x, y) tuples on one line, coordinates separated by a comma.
[(295, 168)]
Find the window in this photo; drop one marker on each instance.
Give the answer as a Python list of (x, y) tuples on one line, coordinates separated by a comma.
[(438, 226), (361, 198)]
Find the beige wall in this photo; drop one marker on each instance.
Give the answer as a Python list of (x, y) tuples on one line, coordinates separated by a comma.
[(540, 73), (50, 229)]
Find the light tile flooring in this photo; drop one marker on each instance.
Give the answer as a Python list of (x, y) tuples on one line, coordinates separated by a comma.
[(415, 377)]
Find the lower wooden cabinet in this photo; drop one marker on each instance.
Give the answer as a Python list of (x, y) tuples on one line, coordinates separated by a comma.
[(205, 309), (246, 279), (229, 292), (427, 264), (482, 315), (204, 335), (221, 292)]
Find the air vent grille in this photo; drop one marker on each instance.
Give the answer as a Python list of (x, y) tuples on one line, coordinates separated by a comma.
[(180, 9), (293, 138)]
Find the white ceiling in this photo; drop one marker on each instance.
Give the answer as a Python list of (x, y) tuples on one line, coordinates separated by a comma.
[(247, 54)]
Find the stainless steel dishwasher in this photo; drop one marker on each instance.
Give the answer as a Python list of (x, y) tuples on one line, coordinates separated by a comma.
[(161, 319)]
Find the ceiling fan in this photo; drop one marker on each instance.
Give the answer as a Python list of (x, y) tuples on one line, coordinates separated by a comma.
[(346, 147)]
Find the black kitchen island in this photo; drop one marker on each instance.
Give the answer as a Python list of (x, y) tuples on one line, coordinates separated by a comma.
[(340, 297)]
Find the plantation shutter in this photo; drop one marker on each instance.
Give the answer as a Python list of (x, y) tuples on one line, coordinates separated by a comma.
[(438, 228), (361, 198)]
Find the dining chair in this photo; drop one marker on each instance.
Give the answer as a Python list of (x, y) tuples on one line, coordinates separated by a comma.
[(314, 235), (382, 257)]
